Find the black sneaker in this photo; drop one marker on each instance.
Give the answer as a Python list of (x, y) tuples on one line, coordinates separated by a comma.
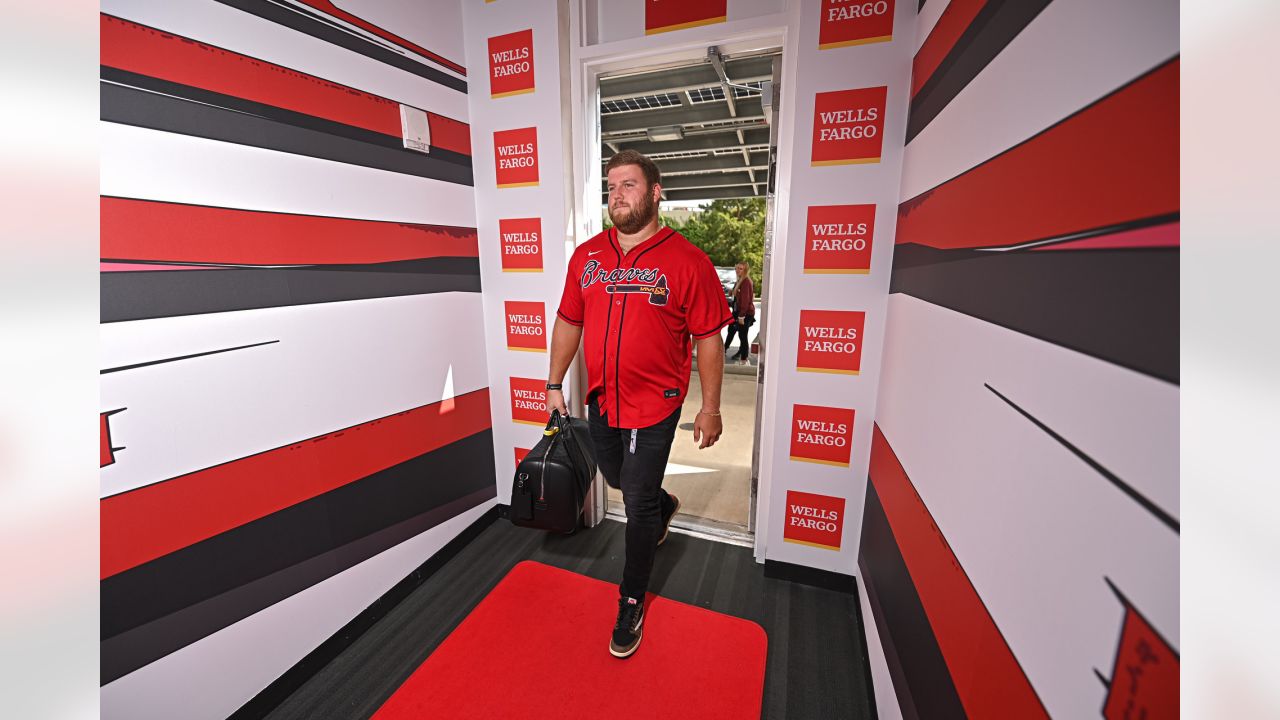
[(627, 632), (666, 521)]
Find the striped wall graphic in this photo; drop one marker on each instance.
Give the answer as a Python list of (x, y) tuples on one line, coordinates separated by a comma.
[(1021, 531), (295, 402)]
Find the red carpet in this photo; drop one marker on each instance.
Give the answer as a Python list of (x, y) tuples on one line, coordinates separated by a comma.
[(537, 647)]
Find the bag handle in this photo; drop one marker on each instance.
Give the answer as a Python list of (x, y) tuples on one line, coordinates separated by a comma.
[(557, 423)]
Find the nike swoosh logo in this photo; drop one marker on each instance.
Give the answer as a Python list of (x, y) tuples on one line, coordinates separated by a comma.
[(593, 252)]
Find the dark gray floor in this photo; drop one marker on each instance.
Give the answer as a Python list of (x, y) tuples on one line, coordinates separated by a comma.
[(815, 667)]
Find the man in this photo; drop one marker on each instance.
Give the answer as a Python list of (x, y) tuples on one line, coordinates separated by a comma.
[(635, 294)]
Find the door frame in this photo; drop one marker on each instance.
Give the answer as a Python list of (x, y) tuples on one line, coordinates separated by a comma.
[(586, 64)]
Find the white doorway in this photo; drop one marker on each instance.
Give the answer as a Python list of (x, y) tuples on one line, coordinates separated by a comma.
[(707, 115)]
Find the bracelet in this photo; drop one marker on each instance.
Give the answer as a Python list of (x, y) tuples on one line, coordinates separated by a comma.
[(714, 414), (554, 386)]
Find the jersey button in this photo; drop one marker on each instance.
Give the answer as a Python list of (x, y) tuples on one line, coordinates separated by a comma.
[(617, 302)]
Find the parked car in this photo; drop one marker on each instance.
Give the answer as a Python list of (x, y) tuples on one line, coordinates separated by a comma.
[(728, 277)]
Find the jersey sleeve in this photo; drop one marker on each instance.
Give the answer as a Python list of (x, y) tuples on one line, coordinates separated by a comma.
[(570, 309), (708, 311)]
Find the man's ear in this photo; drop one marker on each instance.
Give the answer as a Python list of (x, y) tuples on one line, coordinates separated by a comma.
[(657, 192)]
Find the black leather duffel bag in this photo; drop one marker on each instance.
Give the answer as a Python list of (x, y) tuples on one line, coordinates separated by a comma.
[(552, 480)]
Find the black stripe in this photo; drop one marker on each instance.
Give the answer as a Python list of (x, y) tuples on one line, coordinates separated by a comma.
[(1111, 477), (156, 608), (921, 678), (182, 357), (992, 29), (324, 30), (142, 108), (915, 259), (1121, 306), (1124, 600), (142, 295), (272, 112), (716, 329), (451, 229), (566, 319), (306, 668)]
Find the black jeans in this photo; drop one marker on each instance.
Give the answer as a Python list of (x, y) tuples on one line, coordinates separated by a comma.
[(741, 330), (635, 461)]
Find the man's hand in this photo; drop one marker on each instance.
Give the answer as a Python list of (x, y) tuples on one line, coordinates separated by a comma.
[(555, 401), (706, 430)]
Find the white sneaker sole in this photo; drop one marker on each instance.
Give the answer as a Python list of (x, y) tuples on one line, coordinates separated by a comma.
[(629, 653)]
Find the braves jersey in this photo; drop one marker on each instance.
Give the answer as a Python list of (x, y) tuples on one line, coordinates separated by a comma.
[(638, 311)]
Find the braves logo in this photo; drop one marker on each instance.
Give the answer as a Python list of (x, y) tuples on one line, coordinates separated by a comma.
[(631, 280)]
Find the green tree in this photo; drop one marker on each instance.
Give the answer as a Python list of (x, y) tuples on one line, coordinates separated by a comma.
[(729, 232)]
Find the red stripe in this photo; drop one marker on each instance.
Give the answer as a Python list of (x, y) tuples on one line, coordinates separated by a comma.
[(152, 267), (987, 677), (950, 26), (153, 521), (1112, 163), (106, 455), (1156, 236), (328, 7), (150, 230), (143, 50)]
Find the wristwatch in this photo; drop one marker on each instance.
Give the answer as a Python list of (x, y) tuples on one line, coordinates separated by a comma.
[(554, 386)]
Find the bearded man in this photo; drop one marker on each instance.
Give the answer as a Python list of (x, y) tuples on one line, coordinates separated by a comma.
[(636, 295)]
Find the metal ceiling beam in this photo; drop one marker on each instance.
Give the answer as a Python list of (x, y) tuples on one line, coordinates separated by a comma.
[(743, 124), (713, 163), (749, 109), (740, 191), (689, 182), (709, 141), (687, 78)]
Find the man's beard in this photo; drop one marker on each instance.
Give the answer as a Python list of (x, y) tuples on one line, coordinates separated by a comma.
[(635, 217)]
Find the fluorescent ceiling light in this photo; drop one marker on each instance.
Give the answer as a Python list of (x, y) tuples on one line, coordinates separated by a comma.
[(667, 132)]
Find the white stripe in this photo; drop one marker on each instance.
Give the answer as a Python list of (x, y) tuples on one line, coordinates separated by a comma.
[(216, 24), (887, 707), (365, 14), (215, 675), (1073, 53), (336, 365), (928, 18), (1035, 528), (155, 165)]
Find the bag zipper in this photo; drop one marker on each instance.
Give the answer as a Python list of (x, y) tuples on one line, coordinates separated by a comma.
[(542, 480)]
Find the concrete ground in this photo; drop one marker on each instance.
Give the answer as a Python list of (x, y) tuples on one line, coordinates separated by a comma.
[(714, 483)]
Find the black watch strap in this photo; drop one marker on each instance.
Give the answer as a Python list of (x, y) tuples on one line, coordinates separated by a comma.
[(554, 386)]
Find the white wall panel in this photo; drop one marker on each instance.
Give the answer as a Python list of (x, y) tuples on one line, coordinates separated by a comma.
[(801, 185), (1036, 528), (1073, 53), (335, 365), (154, 165), (226, 27), (214, 676), (548, 201)]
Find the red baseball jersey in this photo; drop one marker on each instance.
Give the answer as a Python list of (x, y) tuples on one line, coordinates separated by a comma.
[(637, 311)]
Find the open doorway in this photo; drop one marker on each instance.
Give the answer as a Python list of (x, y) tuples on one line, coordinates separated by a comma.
[(709, 125)]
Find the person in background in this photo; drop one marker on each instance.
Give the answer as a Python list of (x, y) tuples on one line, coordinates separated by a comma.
[(742, 302)]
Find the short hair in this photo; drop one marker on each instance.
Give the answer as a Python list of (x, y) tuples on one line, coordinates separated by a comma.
[(652, 175)]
